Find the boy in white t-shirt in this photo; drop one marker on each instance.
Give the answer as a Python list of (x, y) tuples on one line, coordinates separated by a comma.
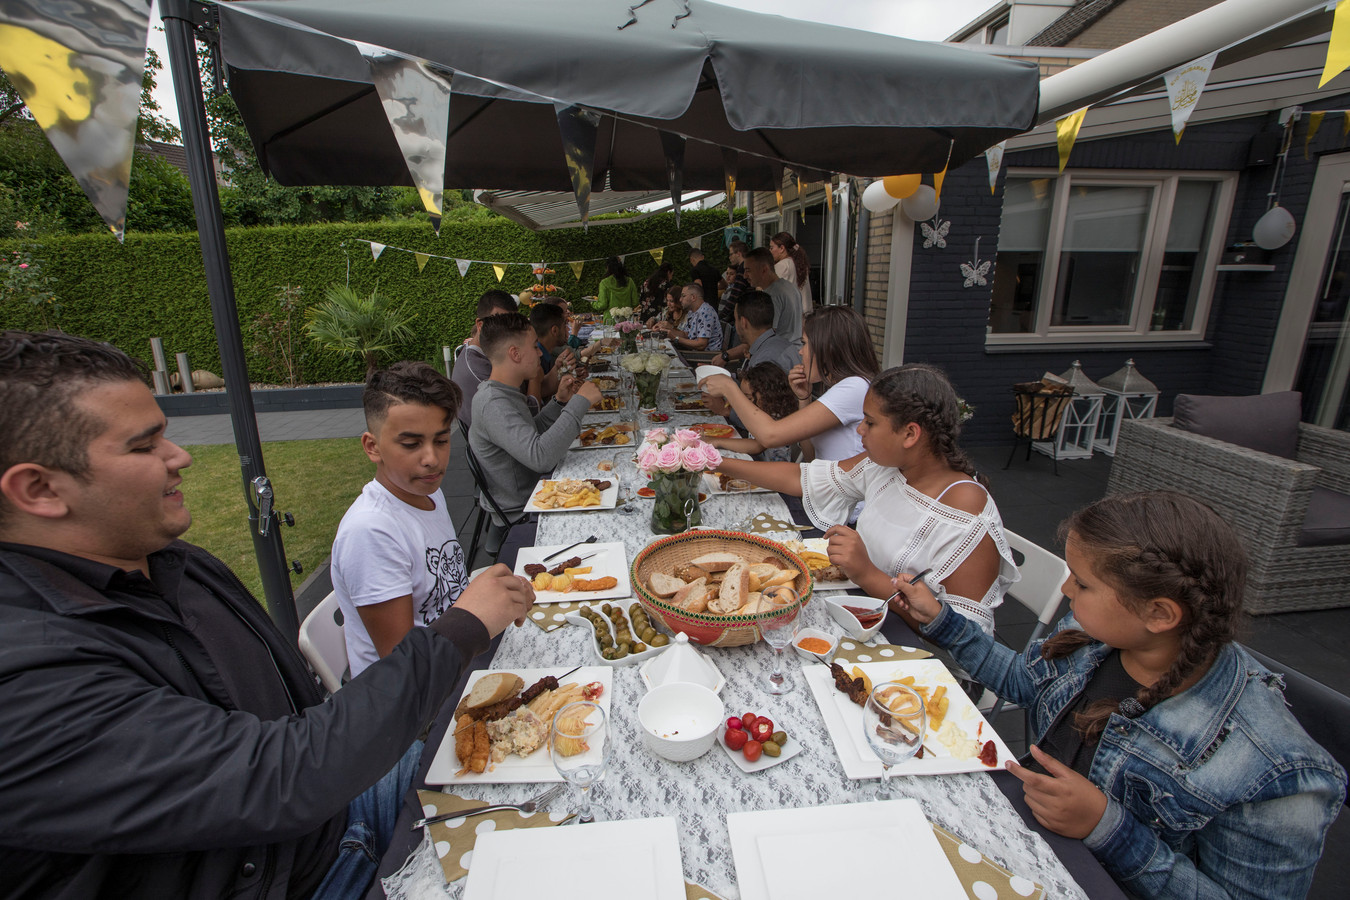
[(396, 560)]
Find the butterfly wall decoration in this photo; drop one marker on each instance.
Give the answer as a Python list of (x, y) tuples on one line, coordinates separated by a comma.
[(935, 235), (975, 271)]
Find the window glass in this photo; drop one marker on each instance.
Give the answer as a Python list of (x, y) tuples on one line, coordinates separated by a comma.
[(1021, 254), (1099, 262), (1187, 246)]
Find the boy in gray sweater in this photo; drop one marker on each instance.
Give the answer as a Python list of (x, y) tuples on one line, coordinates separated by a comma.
[(514, 448)]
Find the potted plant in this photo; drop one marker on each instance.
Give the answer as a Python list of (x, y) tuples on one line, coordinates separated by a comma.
[(675, 464)]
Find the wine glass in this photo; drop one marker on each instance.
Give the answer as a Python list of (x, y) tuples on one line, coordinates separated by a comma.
[(894, 722), (580, 739), (779, 631), (625, 473)]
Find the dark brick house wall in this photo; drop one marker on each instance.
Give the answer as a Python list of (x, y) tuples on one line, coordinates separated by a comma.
[(946, 324)]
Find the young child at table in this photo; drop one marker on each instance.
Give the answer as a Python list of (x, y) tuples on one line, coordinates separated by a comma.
[(396, 560), (1161, 742), (924, 509), (768, 388)]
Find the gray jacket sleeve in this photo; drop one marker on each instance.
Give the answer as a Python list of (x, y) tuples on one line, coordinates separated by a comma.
[(539, 443)]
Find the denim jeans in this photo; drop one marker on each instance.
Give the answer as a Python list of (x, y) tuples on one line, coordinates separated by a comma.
[(370, 828)]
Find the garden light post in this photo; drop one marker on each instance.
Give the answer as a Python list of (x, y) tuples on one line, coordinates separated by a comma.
[(180, 18)]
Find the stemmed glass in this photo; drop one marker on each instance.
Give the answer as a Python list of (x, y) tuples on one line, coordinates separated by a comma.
[(580, 739), (894, 722), (779, 630), (625, 472)]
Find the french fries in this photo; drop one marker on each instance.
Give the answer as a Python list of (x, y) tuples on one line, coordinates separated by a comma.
[(566, 494), (935, 700)]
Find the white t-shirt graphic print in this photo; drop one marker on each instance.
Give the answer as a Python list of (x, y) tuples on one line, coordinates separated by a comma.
[(386, 548)]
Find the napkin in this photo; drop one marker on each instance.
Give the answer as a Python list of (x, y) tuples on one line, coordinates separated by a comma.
[(983, 878), (454, 846), (552, 616), (765, 523), (852, 651), (694, 891)]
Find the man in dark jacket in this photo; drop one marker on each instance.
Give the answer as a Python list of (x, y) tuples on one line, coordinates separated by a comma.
[(158, 736)]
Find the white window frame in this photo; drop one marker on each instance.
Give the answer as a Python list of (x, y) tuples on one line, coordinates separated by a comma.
[(1164, 183)]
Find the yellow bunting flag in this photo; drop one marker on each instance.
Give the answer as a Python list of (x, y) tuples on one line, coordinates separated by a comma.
[(1345, 125), (779, 194), (1314, 123), (938, 178), (1066, 129), (1338, 50), (500, 270), (576, 268), (421, 260), (829, 195), (657, 254)]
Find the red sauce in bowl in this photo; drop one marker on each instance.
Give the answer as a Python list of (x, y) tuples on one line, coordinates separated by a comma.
[(866, 617)]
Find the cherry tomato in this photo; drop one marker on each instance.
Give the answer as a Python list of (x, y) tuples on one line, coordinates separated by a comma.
[(734, 723), (748, 720), (735, 738), (592, 690), (762, 730), (752, 750)]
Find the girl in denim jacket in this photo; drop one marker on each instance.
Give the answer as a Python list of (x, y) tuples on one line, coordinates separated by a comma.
[(1162, 744)]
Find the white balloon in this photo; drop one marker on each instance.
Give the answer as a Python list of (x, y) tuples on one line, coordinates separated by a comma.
[(1274, 229), (875, 198), (922, 204)]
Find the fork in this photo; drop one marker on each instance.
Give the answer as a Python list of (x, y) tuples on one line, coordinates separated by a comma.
[(528, 806)]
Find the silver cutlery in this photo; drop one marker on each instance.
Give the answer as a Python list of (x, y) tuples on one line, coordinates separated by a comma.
[(590, 540), (528, 806)]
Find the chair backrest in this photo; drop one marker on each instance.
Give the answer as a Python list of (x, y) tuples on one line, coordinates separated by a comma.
[(479, 479), (1323, 712), (1043, 573), (323, 643)]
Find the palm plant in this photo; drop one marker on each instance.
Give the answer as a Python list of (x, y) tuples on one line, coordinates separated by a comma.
[(351, 324)]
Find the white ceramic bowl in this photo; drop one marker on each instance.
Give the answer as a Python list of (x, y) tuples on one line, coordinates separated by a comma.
[(807, 655), (849, 622), (680, 721)]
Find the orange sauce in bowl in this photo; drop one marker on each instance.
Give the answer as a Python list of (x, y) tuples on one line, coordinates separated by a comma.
[(814, 645)]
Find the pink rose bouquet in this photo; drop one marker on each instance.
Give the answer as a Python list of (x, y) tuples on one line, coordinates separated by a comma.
[(684, 451)]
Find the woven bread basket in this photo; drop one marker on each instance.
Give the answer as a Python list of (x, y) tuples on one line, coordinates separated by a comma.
[(710, 629)]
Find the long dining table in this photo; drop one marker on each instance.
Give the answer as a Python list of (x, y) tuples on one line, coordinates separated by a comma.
[(984, 810)]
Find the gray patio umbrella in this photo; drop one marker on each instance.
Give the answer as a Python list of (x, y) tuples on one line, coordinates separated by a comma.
[(815, 98)]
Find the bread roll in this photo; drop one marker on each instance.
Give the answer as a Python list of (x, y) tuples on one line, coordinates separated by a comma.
[(494, 687), (734, 592), (664, 585)]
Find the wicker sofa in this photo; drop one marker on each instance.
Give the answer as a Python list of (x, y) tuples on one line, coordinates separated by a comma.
[(1264, 497)]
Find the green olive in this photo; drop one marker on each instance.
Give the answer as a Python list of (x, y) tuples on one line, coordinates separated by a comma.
[(659, 641), (607, 653), (606, 608), (620, 652), (638, 648), (772, 749), (780, 738)]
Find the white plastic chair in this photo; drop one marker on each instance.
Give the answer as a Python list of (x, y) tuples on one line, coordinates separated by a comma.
[(1040, 588), (323, 643)]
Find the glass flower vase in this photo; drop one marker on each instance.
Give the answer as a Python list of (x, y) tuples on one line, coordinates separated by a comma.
[(648, 388), (675, 507), (628, 341)]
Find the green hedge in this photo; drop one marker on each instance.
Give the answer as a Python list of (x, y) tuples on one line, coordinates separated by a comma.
[(154, 286)]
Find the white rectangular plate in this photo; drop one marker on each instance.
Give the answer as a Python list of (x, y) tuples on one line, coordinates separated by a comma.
[(596, 445), (882, 849), (609, 497), (821, 545), (538, 766), (843, 719), (604, 861), (711, 485), (609, 559)]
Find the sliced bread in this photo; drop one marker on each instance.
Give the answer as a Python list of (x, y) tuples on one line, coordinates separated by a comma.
[(692, 595), (734, 592), (494, 687), (718, 562), (664, 585)]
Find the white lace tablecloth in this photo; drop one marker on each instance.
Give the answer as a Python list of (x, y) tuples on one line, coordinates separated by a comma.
[(700, 794)]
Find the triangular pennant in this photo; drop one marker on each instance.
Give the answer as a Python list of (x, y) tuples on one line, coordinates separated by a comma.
[(577, 267), (1185, 84), (694, 242), (938, 178), (78, 66), (376, 249), (463, 265), (578, 128), (421, 260), (994, 158), (1338, 48), (539, 272), (730, 167), (435, 223), (500, 271), (829, 195), (416, 102), (657, 254), (1066, 130), (672, 145), (1314, 123), (776, 168), (1345, 125)]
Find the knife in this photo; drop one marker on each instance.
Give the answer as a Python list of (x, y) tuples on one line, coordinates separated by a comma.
[(589, 540)]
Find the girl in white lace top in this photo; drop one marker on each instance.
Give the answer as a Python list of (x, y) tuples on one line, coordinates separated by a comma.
[(924, 507)]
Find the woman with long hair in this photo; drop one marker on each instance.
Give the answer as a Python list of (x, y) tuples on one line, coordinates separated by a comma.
[(768, 388), (1158, 740), (836, 352), (791, 264), (654, 291), (924, 505), (617, 289)]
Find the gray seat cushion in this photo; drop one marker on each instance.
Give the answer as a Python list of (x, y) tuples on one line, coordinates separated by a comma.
[(1264, 422), (1328, 519)]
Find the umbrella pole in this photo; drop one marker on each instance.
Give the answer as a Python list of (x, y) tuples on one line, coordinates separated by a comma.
[(180, 17)]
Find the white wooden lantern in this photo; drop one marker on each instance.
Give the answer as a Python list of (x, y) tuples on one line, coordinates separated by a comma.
[(1078, 422), (1125, 395)]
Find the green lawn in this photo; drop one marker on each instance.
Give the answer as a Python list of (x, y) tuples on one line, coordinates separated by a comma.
[(314, 480)]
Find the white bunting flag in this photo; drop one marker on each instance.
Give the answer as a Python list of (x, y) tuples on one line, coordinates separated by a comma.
[(1185, 84), (463, 266), (376, 250), (695, 242), (994, 157)]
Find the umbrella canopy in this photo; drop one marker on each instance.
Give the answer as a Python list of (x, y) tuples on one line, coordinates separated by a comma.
[(815, 98)]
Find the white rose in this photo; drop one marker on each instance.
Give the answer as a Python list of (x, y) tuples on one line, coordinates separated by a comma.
[(656, 365)]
